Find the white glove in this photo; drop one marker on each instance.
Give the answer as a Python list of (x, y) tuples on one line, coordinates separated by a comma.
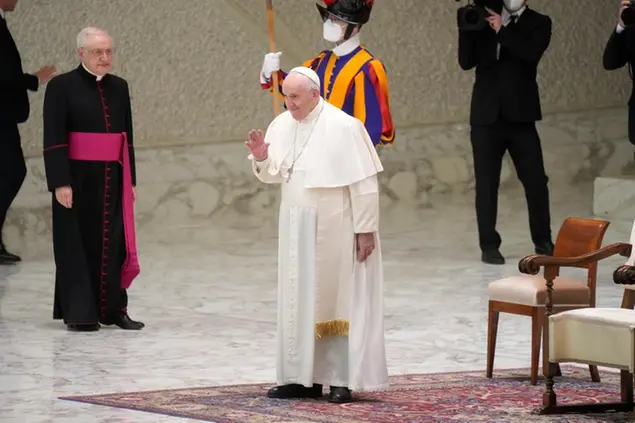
[(270, 65)]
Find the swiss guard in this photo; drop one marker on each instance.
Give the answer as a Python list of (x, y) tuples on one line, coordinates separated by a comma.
[(351, 78)]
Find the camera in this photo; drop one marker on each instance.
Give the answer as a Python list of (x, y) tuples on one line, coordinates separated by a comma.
[(628, 14), (472, 16)]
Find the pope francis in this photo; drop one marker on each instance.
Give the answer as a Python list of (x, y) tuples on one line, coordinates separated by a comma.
[(330, 276)]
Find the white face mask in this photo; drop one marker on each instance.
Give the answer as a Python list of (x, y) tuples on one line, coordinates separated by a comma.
[(332, 31), (514, 5)]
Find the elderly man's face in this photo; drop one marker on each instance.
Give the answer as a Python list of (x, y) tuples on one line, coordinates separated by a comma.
[(300, 100), (97, 54)]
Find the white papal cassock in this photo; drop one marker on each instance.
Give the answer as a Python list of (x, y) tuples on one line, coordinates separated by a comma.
[(330, 306)]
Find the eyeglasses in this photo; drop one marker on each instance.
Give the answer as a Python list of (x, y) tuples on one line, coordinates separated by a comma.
[(99, 52)]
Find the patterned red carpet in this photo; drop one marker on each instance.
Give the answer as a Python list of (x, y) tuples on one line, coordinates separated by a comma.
[(427, 398)]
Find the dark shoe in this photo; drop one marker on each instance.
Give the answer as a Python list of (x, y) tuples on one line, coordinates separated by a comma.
[(124, 322), (295, 391), (7, 257), (545, 248), (75, 327), (340, 395), (492, 257)]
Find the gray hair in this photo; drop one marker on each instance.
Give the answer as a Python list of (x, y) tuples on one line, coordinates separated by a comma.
[(87, 33)]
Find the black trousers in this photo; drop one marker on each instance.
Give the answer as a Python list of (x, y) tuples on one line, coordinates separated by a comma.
[(12, 169), (489, 144)]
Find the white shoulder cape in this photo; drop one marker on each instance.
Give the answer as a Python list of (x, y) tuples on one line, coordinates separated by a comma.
[(341, 151)]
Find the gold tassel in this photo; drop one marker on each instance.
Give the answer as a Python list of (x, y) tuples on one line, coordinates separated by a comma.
[(331, 328)]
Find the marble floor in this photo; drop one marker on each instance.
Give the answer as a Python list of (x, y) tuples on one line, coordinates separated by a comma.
[(207, 296)]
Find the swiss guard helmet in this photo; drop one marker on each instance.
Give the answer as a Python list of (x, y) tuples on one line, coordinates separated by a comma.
[(355, 13)]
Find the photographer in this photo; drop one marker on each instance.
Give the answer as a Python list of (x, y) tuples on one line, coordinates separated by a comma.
[(505, 107), (618, 52)]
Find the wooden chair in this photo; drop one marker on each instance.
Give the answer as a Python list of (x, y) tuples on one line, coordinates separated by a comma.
[(601, 336), (526, 294)]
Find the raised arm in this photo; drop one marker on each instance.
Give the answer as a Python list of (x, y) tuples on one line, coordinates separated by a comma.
[(529, 48)]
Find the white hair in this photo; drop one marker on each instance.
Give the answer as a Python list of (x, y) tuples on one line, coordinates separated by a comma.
[(86, 33)]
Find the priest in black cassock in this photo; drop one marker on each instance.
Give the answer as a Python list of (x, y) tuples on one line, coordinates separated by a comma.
[(90, 171)]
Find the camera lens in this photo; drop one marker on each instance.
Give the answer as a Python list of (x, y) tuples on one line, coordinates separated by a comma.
[(628, 15), (471, 16)]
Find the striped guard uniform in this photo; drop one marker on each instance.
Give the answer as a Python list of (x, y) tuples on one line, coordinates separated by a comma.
[(356, 83)]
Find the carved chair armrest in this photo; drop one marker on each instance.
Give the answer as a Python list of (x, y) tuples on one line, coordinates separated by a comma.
[(531, 264)]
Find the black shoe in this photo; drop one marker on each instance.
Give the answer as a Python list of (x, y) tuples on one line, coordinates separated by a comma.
[(295, 391), (340, 395), (123, 321), (492, 257), (7, 257), (545, 248), (75, 327)]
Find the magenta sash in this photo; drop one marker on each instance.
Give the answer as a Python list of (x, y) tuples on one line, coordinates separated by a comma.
[(112, 147)]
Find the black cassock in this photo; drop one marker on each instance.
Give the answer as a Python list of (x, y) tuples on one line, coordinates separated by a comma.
[(88, 238)]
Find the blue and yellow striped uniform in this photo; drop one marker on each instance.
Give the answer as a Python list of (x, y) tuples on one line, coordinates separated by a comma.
[(357, 84)]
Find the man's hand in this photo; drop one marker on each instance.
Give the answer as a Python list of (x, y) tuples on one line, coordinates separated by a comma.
[(624, 4), (494, 19), (45, 74), (365, 245), (64, 196), (256, 144)]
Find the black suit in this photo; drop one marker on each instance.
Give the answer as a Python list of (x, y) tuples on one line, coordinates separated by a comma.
[(505, 107), (14, 109), (619, 51)]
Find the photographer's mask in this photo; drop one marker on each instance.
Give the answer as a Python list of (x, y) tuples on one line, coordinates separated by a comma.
[(514, 6)]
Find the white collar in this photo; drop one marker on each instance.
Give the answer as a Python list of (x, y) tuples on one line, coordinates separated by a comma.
[(313, 114), (347, 46), (507, 16), (96, 76), (2, 15)]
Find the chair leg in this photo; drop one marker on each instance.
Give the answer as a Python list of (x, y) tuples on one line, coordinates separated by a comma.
[(628, 299), (626, 386), (595, 374), (492, 328), (536, 335)]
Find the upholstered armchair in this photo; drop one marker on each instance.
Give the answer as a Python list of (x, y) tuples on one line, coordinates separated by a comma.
[(602, 336), (577, 246)]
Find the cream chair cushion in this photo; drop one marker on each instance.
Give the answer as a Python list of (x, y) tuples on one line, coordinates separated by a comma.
[(532, 291), (600, 336)]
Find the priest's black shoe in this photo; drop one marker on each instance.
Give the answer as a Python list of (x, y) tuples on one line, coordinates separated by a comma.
[(74, 327), (123, 321), (544, 248), (340, 395), (7, 257), (492, 257), (295, 391)]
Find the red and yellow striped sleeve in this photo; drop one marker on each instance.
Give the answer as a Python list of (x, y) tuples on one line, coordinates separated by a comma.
[(371, 104)]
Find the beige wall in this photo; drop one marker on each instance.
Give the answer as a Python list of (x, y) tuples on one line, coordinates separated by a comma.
[(193, 64), (194, 71)]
